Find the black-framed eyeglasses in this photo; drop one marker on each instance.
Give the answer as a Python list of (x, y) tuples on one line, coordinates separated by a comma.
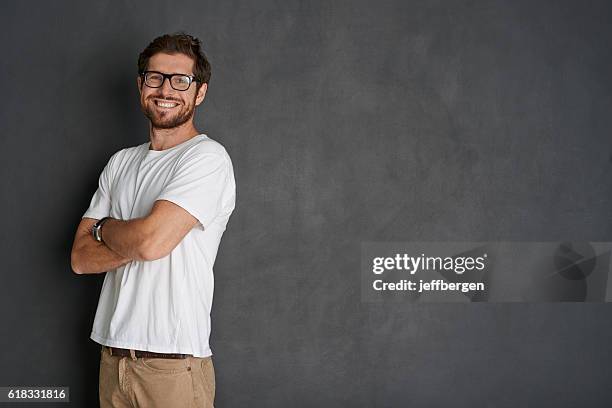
[(155, 79)]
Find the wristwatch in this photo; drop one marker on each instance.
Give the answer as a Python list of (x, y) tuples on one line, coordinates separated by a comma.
[(96, 230)]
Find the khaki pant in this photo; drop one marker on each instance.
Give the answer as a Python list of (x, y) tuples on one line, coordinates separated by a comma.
[(155, 382)]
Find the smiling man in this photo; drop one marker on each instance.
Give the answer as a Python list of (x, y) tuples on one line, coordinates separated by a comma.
[(154, 226)]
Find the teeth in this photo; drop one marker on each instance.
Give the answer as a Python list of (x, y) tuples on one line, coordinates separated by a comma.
[(165, 104)]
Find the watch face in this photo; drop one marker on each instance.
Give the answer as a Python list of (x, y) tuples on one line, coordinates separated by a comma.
[(95, 232)]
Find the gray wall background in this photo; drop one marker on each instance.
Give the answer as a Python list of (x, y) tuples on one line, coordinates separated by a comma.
[(346, 122)]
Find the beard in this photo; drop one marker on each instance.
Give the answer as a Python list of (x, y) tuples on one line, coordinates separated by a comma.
[(161, 119)]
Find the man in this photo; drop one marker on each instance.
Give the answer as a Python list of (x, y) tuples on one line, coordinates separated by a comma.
[(154, 225)]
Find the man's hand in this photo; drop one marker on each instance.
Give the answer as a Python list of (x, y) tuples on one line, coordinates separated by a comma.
[(90, 256), (151, 237)]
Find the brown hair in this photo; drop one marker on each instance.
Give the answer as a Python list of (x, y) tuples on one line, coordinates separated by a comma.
[(178, 43)]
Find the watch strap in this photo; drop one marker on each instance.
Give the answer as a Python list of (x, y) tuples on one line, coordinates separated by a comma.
[(97, 229)]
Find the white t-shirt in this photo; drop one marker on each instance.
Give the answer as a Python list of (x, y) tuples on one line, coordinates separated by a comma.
[(164, 305)]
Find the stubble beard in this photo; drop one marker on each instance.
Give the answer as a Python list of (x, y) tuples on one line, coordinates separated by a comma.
[(167, 120)]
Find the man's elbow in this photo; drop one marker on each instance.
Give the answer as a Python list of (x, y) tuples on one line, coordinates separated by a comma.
[(151, 251), (74, 263)]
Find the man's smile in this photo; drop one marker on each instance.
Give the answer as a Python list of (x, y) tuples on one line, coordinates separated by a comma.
[(165, 104)]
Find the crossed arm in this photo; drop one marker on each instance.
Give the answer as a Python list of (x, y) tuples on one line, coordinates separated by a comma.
[(140, 239)]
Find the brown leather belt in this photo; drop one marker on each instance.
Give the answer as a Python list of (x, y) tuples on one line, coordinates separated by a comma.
[(121, 352)]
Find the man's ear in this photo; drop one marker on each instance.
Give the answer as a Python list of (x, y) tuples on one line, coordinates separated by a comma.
[(201, 94), (139, 83)]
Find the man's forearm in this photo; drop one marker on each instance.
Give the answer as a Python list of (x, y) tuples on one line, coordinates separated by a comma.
[(95, 257), (126, 238)]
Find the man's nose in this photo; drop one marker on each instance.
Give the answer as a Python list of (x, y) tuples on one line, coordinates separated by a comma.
[(166, 88)]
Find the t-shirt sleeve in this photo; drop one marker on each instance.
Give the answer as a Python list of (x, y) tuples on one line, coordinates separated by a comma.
[(100, 204), (202, 185)]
